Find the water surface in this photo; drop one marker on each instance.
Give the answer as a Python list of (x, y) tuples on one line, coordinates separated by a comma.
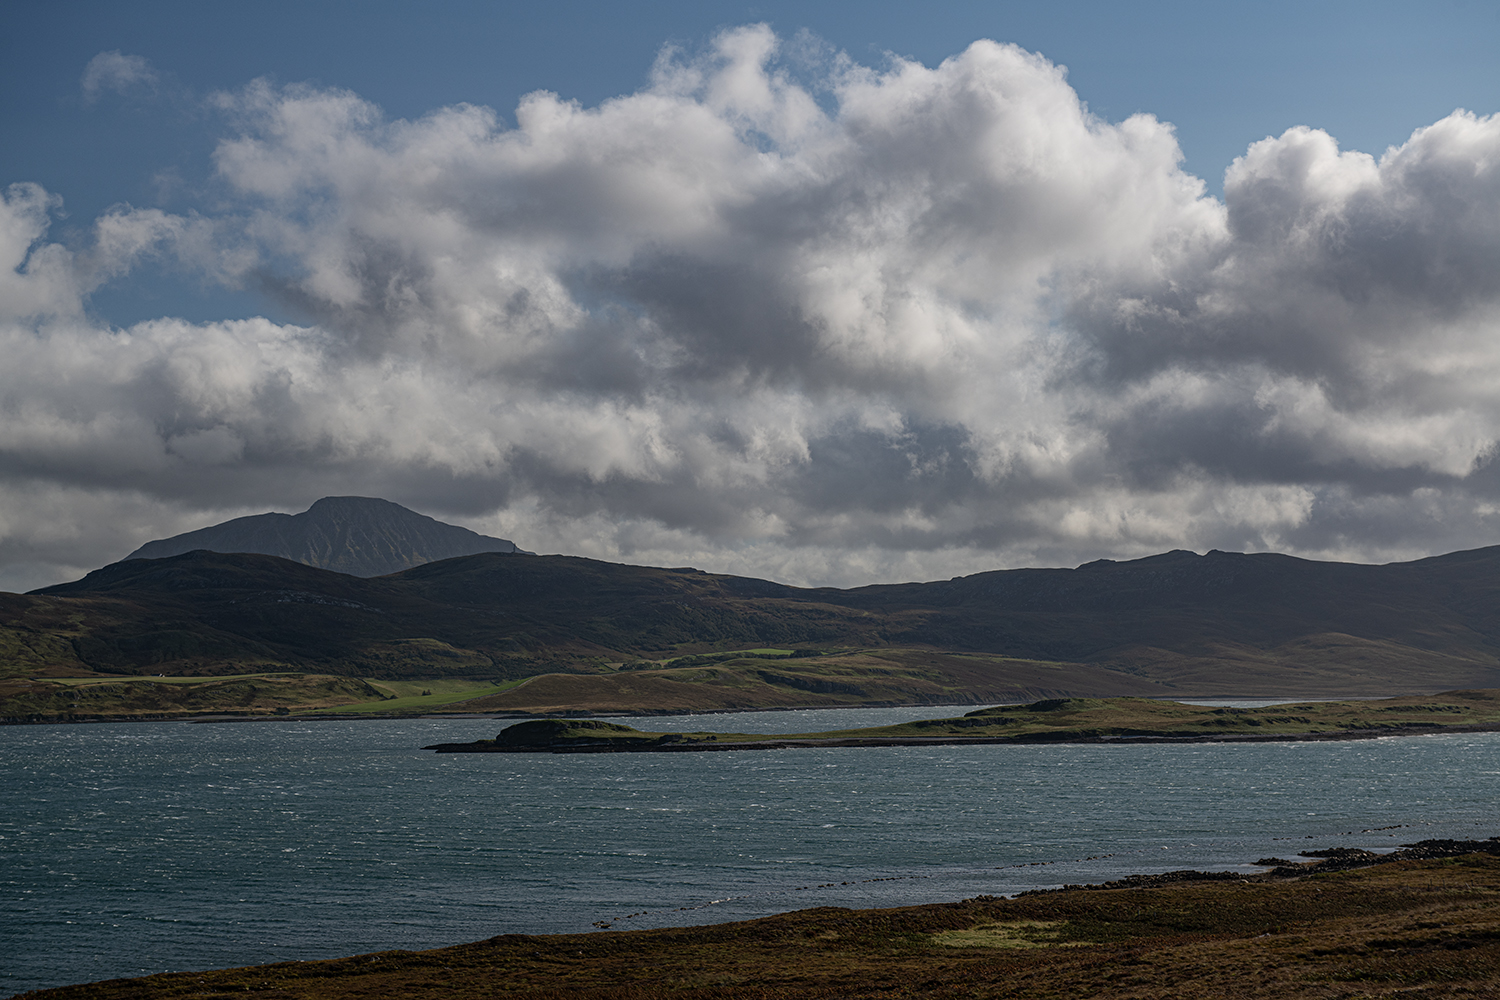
[(127, 849)]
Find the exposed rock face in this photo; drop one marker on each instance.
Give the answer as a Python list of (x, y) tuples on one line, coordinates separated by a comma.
[(361, 536)]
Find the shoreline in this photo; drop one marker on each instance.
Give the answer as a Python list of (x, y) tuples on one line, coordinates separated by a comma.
[(1336, 915)]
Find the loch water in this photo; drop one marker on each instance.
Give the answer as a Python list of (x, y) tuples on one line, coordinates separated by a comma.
[(127, 849)]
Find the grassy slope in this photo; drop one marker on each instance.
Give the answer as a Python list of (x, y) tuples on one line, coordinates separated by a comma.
[(105, 698), (1075, 719), (62, 699), (1429, 928), (861, 677), (769, 680)]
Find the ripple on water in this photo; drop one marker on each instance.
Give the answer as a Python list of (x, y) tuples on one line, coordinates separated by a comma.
[(130, 849)]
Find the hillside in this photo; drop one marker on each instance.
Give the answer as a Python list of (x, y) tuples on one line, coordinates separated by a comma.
[(1174, 625), (361, 536)]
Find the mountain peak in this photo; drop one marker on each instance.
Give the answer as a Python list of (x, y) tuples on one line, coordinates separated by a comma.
[(361, 536)]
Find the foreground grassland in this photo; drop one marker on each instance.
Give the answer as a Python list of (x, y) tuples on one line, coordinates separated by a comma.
[(1411, 928), (1059, 720)]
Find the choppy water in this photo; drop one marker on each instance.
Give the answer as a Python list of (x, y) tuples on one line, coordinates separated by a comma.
[(135, 848)]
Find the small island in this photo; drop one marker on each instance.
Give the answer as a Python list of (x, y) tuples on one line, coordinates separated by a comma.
[(1055, 720)]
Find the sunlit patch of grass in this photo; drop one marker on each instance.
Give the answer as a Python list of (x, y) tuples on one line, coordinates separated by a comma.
[(1005, 934), (421, 696)]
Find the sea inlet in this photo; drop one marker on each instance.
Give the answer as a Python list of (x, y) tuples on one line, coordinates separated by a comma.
[(127, 849)]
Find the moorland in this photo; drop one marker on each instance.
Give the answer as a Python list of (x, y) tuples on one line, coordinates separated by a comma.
[(512, 634)]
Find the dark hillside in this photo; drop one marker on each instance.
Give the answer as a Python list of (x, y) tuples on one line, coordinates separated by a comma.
[(1195, 604), (1266, 623), (486, 615)]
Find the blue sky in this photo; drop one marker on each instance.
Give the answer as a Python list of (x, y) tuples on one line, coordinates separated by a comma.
[(1224, 74), (747, 418)]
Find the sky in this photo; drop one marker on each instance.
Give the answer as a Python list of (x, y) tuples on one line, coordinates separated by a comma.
[(831, 294)]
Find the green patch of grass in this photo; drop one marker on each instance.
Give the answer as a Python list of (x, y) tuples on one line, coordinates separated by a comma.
[(24, 652), (421, 696), (1004, 934)]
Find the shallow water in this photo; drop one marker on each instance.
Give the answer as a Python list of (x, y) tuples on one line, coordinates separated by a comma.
[(127, 849)]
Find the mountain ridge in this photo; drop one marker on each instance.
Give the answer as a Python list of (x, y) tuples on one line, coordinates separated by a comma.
[(1252, 624), (360, 536)]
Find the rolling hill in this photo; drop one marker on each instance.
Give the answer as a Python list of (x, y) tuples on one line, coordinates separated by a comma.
[(1172, 625)]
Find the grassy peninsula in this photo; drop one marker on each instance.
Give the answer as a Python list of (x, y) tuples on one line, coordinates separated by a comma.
[(1422, 922), (1056, 720)]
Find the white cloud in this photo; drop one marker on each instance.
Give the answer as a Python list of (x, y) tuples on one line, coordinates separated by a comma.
[(944, 320), (117, 72)]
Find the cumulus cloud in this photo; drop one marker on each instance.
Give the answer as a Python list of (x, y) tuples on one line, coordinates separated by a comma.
[(831, 326), (117, 72)]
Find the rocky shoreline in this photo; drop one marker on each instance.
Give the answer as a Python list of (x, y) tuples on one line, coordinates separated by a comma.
[(1334, 859)]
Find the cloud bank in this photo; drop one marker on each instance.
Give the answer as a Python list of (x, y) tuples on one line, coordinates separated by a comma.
[(815, 321)]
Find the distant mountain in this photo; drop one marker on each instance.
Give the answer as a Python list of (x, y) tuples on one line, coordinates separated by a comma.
[(361, 536)]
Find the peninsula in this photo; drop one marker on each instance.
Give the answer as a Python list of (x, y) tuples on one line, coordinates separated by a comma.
[(1056, 720)]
